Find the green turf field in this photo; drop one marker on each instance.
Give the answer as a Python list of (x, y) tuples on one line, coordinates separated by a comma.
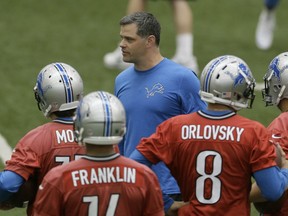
[(35, 33)]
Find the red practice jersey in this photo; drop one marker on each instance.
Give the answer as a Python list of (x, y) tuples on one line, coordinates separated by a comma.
[(212, 157), (279, 130), (280, 123), (43, 148), (92, 186)]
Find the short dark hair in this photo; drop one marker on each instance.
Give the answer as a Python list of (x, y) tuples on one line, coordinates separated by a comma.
[(146, 22)]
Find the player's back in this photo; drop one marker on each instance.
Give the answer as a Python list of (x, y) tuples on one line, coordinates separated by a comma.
[(111, 185), (212, 157), (43, 148), (59, 147), (226, 150)]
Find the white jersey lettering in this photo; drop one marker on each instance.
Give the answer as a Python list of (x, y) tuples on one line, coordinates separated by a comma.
[(66, 136), (220, 132), (103, 175)]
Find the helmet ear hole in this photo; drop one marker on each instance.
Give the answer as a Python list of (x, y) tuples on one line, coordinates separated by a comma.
[(277, 88)]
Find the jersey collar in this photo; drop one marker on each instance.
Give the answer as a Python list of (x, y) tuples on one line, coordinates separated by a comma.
[(212, 114), (104, 158), (64, 120)]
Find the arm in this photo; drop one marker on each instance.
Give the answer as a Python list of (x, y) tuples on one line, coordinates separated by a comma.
[(174, 208), (272, 175), (137, 156), (270, 182), (10, 183), (189, 94)]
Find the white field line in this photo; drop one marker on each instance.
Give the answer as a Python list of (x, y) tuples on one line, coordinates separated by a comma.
[(259, 86), (5, 149)]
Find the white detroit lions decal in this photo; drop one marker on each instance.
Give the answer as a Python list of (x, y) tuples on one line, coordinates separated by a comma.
[(157, 88)]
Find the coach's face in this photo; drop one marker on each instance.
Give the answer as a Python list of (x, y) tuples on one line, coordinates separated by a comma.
[(132, 45)]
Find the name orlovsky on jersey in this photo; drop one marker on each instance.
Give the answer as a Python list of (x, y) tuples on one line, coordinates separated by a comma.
[(214, 132), (103, 175)]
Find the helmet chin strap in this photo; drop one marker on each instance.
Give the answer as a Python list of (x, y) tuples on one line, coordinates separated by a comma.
[(210, 98), (280, 94), (80, 137), (46, 112)]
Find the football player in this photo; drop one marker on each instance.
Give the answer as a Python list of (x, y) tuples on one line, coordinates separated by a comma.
[(102, 182), (213, 153), (58, 90), (275, 93), (266, 25)]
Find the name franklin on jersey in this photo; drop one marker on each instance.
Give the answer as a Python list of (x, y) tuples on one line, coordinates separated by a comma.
[(214, 132), (103, 175)]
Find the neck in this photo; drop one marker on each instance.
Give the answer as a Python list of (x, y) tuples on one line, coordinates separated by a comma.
[(149, 61), (283, 105), (99, 150), (219, 107)]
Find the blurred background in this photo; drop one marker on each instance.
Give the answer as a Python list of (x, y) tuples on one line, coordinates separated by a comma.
[(35, 33)]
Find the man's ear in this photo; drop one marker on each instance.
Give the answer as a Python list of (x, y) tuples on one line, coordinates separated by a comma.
[(150, 40)]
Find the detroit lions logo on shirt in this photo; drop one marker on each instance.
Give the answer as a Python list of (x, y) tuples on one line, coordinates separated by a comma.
[(157, 88)]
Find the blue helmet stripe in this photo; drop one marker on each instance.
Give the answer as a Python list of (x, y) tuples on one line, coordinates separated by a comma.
[(66, 82), (210, 70), (39, 83), (108, 114)]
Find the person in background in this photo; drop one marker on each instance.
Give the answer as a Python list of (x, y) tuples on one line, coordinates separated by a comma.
[(266, 25), (102, 182), (153, 89), (213, 153), (183, 21), (58, 90)]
